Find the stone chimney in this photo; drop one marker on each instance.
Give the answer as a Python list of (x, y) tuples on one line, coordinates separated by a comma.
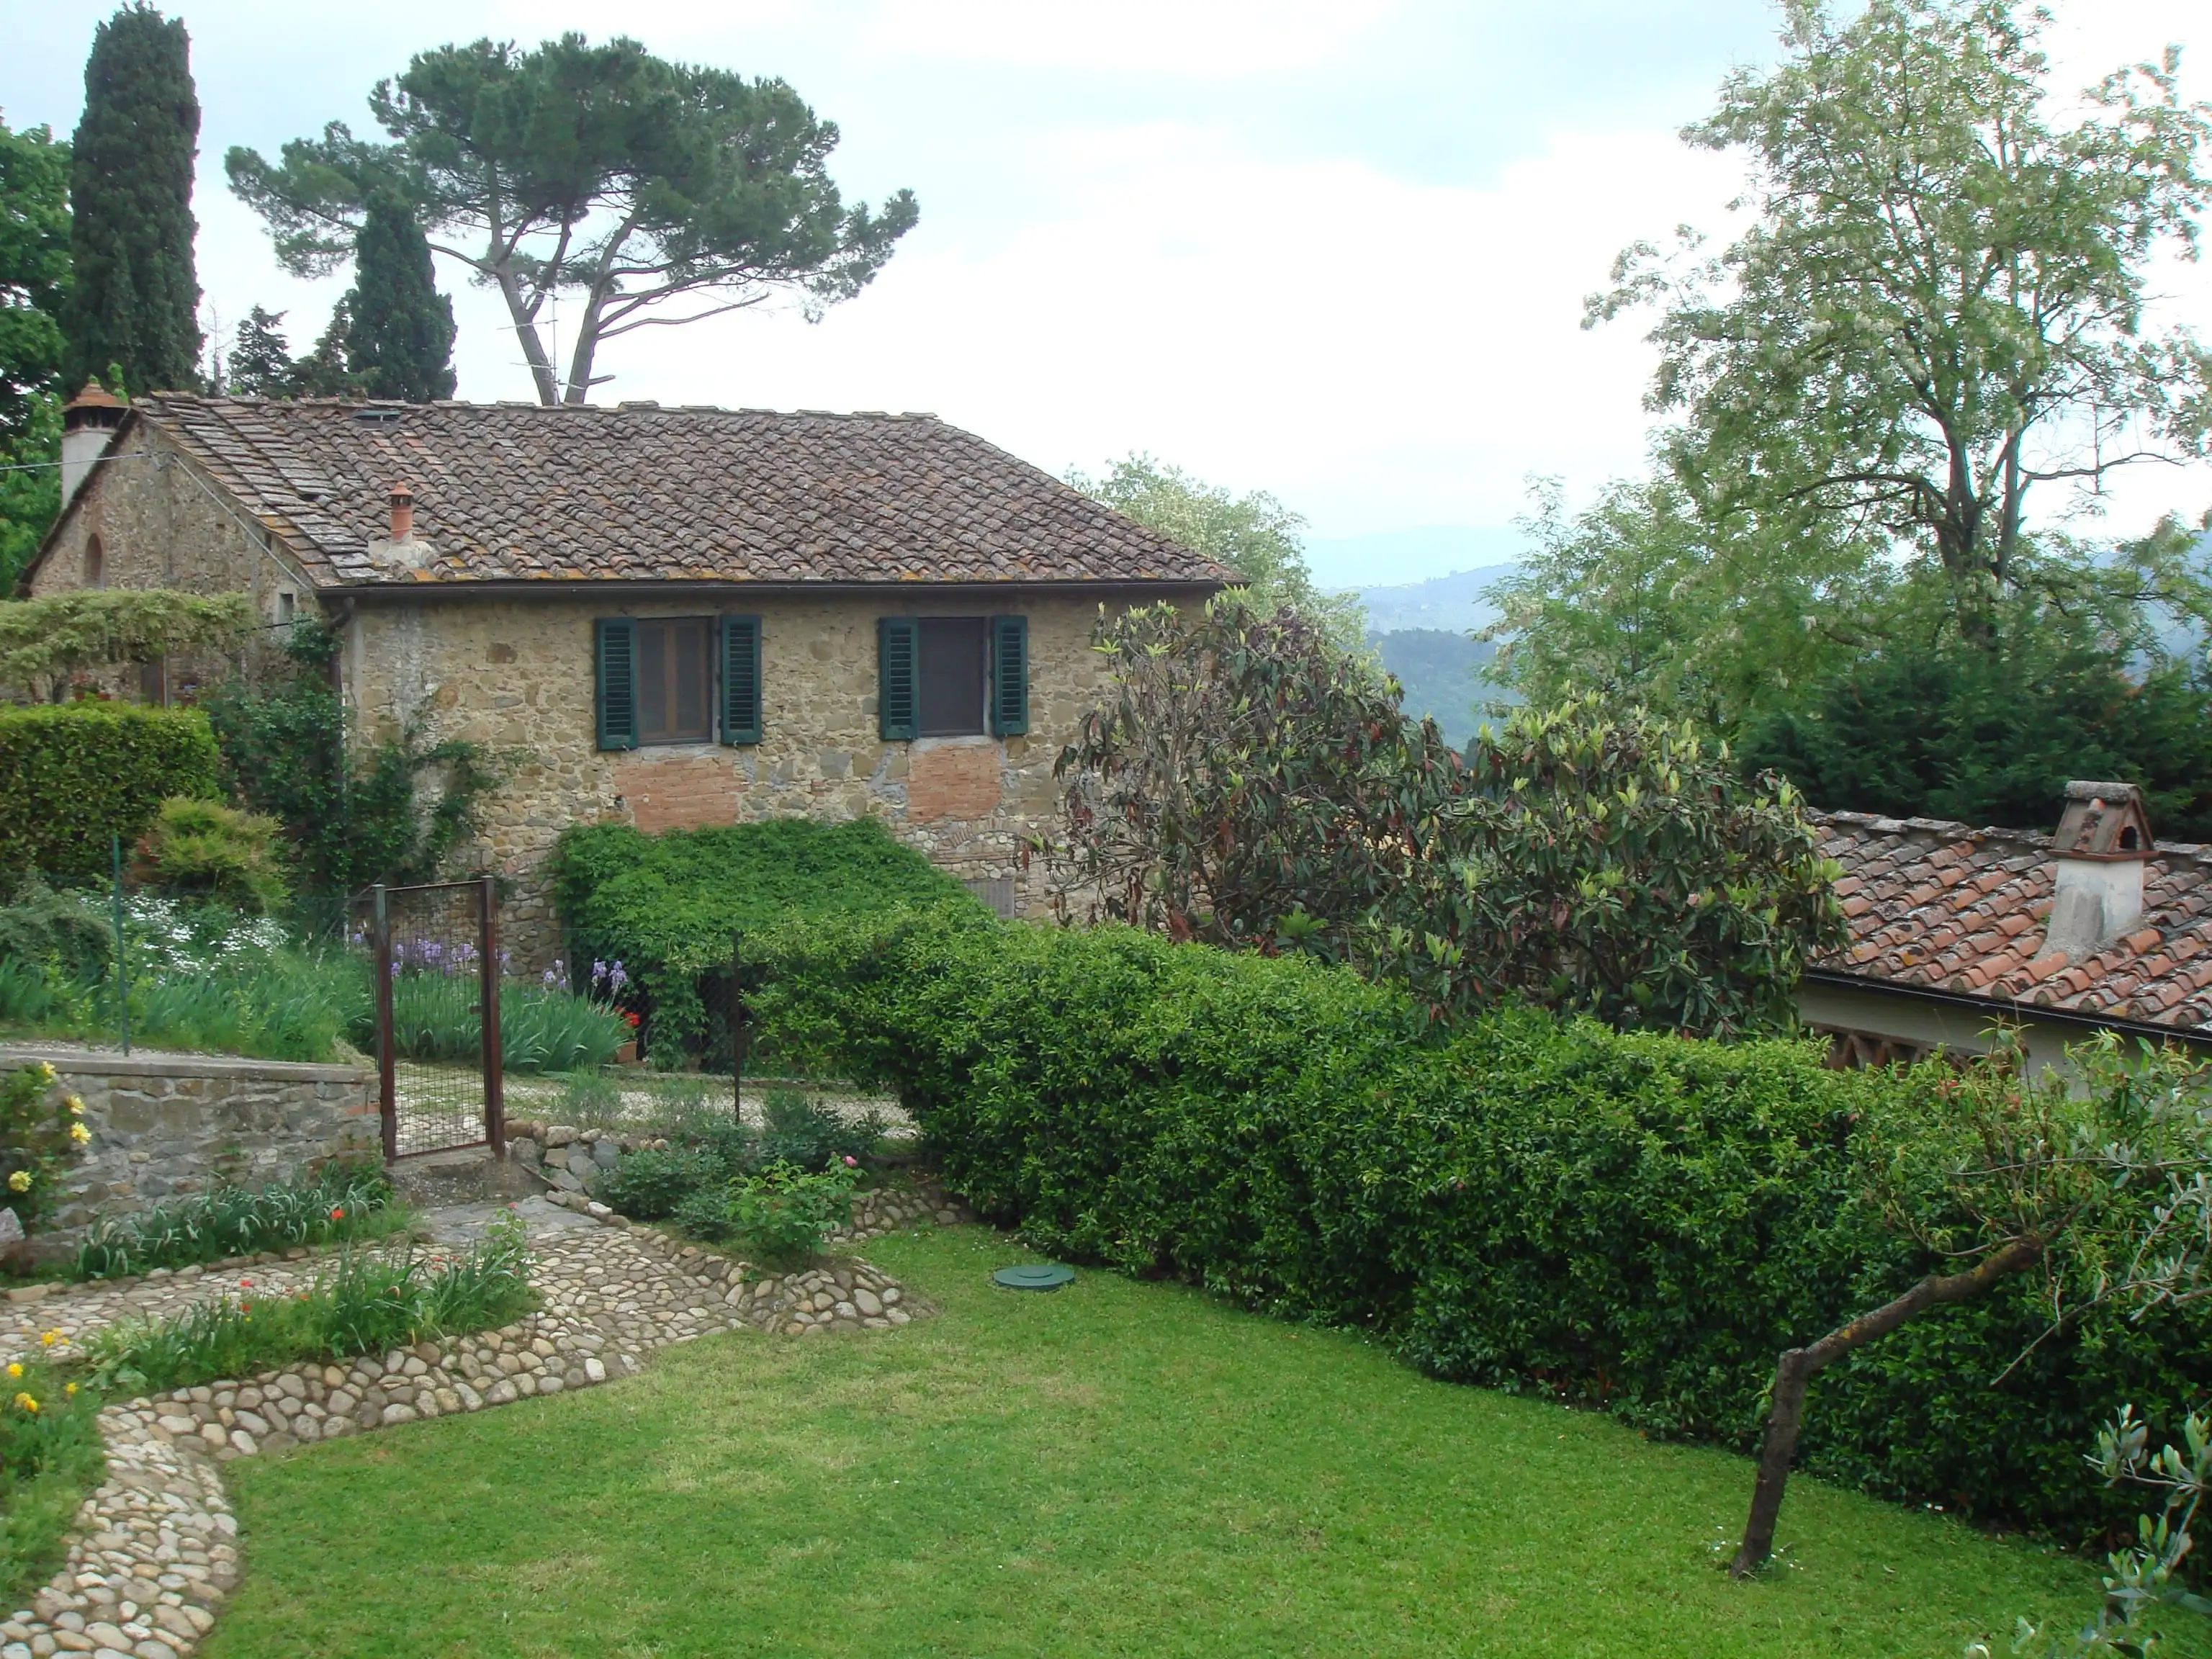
[(2102, 844), (89, 421)]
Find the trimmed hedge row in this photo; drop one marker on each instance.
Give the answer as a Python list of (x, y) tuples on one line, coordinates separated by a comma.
[(1637, 1221), (73, 774), (664, 905)]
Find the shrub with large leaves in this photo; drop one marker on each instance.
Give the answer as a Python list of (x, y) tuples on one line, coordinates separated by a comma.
[(1246, 784), (1615, 865)]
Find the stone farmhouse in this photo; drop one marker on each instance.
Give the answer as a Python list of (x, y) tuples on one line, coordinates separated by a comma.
[(677, 617), (1952, 929)]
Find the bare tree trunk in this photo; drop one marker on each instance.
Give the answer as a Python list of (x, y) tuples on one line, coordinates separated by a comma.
[(1796, 1368), (526, 330)]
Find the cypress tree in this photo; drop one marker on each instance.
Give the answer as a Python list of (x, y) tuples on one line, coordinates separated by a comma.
[(400, 341), (136, 295)]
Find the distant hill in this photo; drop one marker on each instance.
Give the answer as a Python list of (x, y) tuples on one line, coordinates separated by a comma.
[(1453, 602), (1442, 672)]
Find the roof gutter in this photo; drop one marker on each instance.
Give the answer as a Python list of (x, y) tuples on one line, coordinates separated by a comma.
[(620, 587), (2009, 1008)]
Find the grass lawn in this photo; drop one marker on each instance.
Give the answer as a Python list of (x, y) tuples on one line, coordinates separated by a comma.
[(1116, 1469)]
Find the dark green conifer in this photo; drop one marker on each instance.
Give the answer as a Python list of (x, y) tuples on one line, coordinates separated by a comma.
[(400, 343), (260, 363), (137, 296)]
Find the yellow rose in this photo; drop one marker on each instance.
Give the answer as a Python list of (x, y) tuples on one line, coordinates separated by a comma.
[(46, 1072), (15, 1370), (75, 1106), (69, 1389), (25, 1403), (50, 1337), (19, 1181), (79, 1133)]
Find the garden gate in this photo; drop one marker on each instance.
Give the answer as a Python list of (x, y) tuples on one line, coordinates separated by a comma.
[(435, 948)]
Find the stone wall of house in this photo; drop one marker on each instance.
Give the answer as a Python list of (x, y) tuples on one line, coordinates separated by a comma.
[(157, 522), (516, 675), (167, 1125)]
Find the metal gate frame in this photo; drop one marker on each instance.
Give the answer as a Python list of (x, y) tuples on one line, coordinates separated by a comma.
[(388, 1082)]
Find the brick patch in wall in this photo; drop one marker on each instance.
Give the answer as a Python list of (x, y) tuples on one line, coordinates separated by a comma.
[(680, 792), (960, 779)]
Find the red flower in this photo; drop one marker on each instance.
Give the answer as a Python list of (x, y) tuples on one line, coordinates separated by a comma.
[(337, 1214), (633, 1020), (245, 1284)]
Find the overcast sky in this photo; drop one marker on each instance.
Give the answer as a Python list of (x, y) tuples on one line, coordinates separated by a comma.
[(1332, 250)]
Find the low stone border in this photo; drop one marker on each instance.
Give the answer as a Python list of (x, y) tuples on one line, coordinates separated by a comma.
[(159, 1555), (155, 1553)]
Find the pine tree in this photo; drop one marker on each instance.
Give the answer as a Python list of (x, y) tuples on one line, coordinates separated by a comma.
[(401, 342), (131, 191), (260, 362), (322, 372)]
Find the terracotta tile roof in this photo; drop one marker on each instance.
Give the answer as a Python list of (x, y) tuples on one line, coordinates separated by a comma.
[(1956, 908), (636, 492)]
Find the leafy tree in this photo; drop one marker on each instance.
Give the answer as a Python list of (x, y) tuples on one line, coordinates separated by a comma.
[(1938, 309), (2106, 1189), (656, 193), (34, 273), (135, 295), (1640, 599), (260, 362), (1244, 784), (1254, 534), (399, 342)]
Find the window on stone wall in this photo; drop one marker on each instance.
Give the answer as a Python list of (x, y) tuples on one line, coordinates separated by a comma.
[(96, 563), (675, 681), (952, 672)]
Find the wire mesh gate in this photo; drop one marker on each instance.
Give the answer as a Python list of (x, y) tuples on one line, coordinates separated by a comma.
[(437, 971)]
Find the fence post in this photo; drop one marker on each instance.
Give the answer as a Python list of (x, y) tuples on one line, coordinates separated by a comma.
[(740, 1027), (121, 966), (387, 1091), (492, 1041)]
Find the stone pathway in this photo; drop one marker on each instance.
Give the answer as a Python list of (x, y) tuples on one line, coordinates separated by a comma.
[(155, 1554)]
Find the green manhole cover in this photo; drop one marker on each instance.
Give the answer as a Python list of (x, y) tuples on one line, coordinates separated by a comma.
[(1033, 1279)]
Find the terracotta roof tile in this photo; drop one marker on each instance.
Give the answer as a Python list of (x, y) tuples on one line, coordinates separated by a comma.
[(1953, 908), (507, 492)]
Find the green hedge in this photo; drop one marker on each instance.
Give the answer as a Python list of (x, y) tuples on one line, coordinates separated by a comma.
[(1637, 1221), (663, 906), (71, 775)]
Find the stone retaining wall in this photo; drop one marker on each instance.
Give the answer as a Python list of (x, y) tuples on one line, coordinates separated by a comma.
[(167, 1125)]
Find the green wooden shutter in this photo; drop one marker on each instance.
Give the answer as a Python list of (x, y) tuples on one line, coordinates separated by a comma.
[(899, 678), (741, 679), (614, 654), (1010, 676)]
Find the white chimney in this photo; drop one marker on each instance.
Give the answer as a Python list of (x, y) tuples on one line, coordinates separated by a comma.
[(2102, 844), (89, 421)]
